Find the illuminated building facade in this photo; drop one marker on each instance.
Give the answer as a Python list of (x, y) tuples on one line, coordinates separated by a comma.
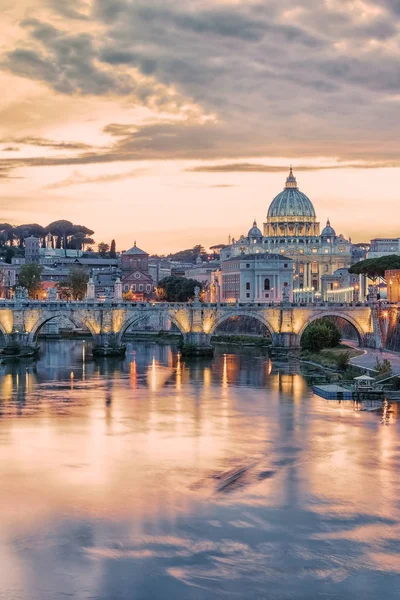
[(135, 273), (393, 285), (253, 278), (292, 230)]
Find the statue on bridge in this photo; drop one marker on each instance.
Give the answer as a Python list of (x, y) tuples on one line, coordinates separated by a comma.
[(52, 294), (196, 295), (21, 293), (285, 295)]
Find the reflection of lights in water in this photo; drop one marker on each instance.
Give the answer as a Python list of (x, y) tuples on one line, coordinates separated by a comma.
[(385, 412), (72, 379), (225, 373), (207, 375), (83, 359), (157, 375), (7, 387), (133, 374), (178, 372), (268, 366)]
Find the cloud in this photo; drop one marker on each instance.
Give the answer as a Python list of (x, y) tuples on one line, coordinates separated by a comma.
[(262, 168), (72, 9), (78, 178), (43, 143), (279, 78)]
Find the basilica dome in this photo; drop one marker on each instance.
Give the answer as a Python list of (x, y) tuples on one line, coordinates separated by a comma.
[(291, 203)]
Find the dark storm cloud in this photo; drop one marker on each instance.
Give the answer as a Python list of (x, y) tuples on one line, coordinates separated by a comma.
[(282, 78)]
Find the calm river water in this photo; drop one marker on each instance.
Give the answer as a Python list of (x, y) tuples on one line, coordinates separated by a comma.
[(152, 478)]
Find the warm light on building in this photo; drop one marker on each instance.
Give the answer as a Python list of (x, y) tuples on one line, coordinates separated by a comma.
[(393, 288)]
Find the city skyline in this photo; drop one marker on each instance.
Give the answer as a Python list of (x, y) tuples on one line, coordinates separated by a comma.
[(176, 124)]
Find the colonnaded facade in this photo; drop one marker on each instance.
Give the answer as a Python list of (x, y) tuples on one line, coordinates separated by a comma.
[(292, 230)]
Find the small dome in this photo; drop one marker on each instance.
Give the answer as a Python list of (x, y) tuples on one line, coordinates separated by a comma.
[(254, 232), (328, 231)]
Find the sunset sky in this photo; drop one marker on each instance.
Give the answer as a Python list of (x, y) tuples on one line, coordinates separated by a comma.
[(174, 122)]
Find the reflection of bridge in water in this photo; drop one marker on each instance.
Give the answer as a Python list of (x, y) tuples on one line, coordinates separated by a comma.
[(107, 322)]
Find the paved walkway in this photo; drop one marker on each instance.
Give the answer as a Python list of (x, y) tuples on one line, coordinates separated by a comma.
[(368, 359)]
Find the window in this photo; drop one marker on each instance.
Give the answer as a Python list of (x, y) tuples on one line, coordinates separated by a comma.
[(267, 295), (314, 250), (301, 268), (148, 287), (326, 268), (314, 267), (247, 266), (247, 295), (126, 287), (134, 287), (267, 285), (248, 285), (140, 287), (285, 266)]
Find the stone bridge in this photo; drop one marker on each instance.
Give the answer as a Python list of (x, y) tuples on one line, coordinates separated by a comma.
[(22, 320)]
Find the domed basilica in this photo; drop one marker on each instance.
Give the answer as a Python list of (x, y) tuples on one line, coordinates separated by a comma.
[(291, 229)]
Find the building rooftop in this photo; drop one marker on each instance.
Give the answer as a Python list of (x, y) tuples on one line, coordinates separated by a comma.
[(135, 250)]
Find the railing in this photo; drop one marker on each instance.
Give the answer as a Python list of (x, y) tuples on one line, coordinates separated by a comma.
[(90, 304)]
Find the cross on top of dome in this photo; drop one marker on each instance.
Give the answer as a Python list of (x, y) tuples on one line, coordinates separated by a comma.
[(291, 180)]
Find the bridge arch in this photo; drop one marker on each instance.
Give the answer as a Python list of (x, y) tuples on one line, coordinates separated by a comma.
[(134, 319), (357, 327), (75, 320), (242, 313)]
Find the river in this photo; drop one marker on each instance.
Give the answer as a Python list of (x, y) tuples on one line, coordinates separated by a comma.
[(155, 478)]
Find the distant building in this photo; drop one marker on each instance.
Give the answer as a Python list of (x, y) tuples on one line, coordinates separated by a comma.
[(384, 246), (159, 268), (253, 278), (135, 273), (8, 279), (32, 249), (342, 286), (202, 271), (393, 285)]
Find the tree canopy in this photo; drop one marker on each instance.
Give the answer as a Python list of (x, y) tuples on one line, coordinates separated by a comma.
[(375, 268), (176, 289), (30, 278), (75, 284), (190, 255), (66, 233)]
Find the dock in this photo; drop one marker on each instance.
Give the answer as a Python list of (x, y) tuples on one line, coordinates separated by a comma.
[(333, 392)]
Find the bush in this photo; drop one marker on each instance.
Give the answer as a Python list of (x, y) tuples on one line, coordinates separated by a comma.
[(384, 367), (343, 361), (320, 334)]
